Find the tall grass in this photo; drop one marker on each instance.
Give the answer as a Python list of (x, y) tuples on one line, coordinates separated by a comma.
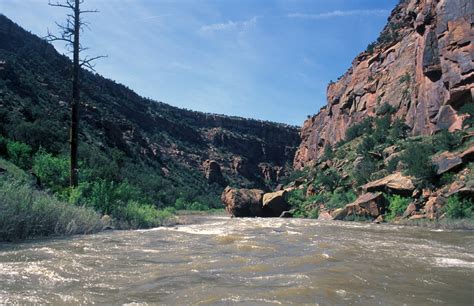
[(26, 212)]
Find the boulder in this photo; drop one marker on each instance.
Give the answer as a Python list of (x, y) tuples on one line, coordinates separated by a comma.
[(396, 183), (213, 173), (433, 207), (274, 203), (339, 213), (369, 205), (379, 219), (242, 202), (409, 211), (324, 215), (446, 162), (464, 189)]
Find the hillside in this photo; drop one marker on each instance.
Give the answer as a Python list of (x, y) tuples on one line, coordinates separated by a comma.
[(166, 152), (421, 65)]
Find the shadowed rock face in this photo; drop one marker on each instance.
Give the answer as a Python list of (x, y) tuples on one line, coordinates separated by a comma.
[(424, 69)]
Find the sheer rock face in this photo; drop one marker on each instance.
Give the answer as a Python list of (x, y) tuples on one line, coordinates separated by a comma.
[(425, 70)]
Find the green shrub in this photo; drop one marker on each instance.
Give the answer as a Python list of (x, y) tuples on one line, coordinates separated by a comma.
[(139, 215), (19, 153), (340, 199), (393, 164), (468, 108), (397, 206), (446, 141), (417, 158), (384, 109), (359, 129), (107, 196), (457, 208), (26, 213), (53, 172), (382, 126), (371, 47), (328, 152), (182, 204), (328, 179), (367, 145), (362, 172), (398, 130), (405, 78), (305, 207)]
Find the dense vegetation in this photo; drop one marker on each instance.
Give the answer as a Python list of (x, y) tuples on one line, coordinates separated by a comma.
[(375, 148)]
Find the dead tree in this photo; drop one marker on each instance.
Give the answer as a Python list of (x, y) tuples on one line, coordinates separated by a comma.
[(69, 33)]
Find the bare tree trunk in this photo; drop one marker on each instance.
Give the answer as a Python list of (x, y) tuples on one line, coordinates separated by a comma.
[(74, 133), (70, 34)]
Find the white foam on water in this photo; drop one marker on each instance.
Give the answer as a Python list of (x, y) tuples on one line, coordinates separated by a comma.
[(239, 299), (453, 262)]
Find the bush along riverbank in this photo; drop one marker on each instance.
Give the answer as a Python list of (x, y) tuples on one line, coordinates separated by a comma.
[(377, 173), (29, 210)]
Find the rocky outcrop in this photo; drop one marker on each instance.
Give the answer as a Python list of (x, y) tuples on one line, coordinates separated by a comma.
[(368, 205), (447, 161), (243, 202), (212, 171), (422, 66), (395, 183), (274, 203), (450, 161)]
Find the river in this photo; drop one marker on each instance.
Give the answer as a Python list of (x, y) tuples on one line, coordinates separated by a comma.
[(218, 260)]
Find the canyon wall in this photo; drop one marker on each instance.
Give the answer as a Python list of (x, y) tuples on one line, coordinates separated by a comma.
[(422, 65)]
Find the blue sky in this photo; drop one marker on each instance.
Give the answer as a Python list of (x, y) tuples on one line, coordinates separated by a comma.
[(264, 59)]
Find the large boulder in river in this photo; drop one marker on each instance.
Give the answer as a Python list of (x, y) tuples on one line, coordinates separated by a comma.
[(396, 183), (369, 205), (274, 203), (242, 202)]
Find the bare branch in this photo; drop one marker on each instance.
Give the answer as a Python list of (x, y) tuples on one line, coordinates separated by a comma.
[(51, 37), (86, 62), (89, 11), (68, 4)]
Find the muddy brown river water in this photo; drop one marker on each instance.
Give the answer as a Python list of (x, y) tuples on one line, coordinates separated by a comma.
[(220, 261)]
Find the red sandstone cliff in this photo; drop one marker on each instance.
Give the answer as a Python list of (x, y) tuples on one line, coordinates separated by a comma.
[(422, 65)]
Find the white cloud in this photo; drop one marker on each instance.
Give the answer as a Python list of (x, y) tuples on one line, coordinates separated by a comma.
[(338, 13), (229, 26)]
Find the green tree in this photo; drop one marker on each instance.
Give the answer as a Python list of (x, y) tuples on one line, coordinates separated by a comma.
[(417, 158), (52, 171), (458, 208), (328, 152), (19, 153), (446, 141)]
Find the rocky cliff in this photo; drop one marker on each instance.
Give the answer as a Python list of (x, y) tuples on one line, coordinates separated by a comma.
[(422, 65)]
